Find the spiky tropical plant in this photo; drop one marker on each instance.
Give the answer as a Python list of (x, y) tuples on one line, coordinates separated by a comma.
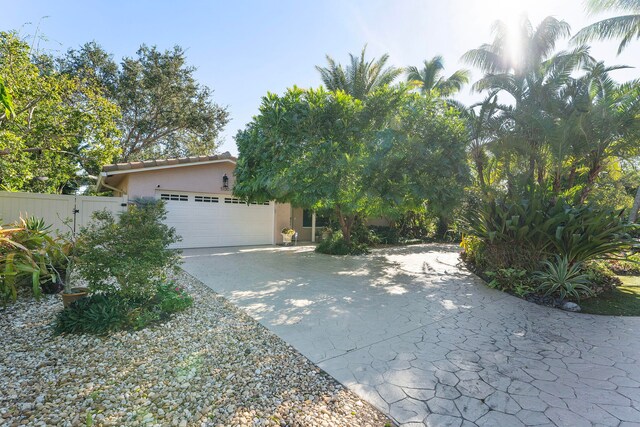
[(430, 78), (625, 27), (360, 77), (561, 278)]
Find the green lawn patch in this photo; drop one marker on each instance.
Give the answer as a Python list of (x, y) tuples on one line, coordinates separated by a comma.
[(621, 301)]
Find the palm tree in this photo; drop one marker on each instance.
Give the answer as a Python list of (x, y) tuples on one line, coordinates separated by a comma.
[(360, 77), (531, 79), (483, 123), (534, 46), (430, 78), (626, 27)]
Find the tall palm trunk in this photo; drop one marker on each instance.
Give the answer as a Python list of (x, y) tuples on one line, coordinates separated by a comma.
[(633, 215)]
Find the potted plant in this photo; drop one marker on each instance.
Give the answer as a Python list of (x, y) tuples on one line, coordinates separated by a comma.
[(326, 233), (63, 269), (287, 234)]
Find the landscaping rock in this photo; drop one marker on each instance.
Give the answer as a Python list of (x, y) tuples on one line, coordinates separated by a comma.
[(570, 306), (211, 365)]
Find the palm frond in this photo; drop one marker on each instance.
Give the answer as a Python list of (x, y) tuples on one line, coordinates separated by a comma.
[(626, 27)]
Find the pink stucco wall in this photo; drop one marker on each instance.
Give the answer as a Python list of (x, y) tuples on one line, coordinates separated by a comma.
[(283, 219), (195, 179)]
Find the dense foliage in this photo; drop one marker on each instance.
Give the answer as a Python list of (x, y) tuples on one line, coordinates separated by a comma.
[(127, 255), (102, 313), (63, 117), (166, 112), (550, 165), (31, 257), (125, 262), (59, 125), (335, 244), (380, 156)]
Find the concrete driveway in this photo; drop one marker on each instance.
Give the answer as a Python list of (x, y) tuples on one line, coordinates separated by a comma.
[(424, 341)]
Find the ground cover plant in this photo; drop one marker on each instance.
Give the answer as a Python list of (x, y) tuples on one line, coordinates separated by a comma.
[(102, 313)]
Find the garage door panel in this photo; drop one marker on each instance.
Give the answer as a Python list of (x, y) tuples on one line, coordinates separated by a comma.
[(220, 224)]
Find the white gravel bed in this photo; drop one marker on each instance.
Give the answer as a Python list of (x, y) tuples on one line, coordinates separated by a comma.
[(210, 365)]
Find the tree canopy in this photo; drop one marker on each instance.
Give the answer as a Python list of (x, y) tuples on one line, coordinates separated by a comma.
[(62, 127), (568, 122), (165, 111), (324, 149)]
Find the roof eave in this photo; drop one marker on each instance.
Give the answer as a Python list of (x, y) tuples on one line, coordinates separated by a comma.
[(178, 165)]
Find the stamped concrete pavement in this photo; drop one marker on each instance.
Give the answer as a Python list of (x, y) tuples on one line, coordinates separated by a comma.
[(420, 338)]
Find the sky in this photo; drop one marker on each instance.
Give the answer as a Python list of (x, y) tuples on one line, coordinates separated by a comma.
[(245, 48)]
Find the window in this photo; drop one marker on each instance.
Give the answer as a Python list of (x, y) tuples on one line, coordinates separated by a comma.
[(174, 197), (206, 199), (237, 201), (321, 220)]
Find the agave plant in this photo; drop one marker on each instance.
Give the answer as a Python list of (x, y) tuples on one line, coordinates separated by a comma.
[(562, 278)]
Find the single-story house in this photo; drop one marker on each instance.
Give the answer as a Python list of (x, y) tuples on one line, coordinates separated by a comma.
[(200, 204)]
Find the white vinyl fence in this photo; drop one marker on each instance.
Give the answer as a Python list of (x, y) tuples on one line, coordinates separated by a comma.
[(64, 212)]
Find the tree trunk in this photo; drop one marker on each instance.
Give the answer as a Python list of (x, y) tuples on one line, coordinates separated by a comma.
[(591, 179), (442, 227), (532, 168), (345, 224), (557, 182), (478, 159), (633, 215), (480, 171), (541, 173), (572, 177)]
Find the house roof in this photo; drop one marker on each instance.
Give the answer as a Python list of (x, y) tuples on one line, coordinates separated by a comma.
[(162, 163)]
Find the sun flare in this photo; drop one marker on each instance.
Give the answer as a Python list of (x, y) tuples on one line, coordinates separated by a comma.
[(511, 13)]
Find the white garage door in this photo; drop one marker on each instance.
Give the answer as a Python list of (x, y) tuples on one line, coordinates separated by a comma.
[(211, 220)]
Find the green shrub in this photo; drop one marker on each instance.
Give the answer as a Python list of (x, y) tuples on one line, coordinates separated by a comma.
[(415, 225), (173, 298), (562, 278), (103, 313), (629, 266), (522, 235), (601, 277), (362, 234), (127, 255), (512, 280), (336, 245), (386, 235), (96, 314)]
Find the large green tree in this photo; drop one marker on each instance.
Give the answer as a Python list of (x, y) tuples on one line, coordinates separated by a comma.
[(62, 127), (166, 112), (322, 149)]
